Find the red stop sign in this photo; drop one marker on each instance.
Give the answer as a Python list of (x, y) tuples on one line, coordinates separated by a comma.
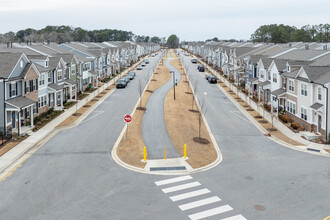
[(127, 118)]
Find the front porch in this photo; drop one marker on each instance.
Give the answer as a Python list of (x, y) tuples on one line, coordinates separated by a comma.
[(19, 114)]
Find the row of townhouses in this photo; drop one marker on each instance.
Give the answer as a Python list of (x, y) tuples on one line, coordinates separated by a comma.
[(38, 77), (290, 78)]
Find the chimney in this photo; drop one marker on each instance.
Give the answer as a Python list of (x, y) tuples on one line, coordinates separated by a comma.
[(306, 46)]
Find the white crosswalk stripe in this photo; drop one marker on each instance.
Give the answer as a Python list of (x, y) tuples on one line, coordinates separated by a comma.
[(181, 187), (173, 180), (236, 217), (189, 195), (210, 212), (176, 186), (199, 203)]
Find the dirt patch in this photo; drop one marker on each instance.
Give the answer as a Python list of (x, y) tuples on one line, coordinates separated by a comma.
[(11, 144), (131, 150), (182, 125)]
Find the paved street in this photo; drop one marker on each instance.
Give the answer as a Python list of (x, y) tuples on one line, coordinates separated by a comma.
[(74, 177), (154, 131)]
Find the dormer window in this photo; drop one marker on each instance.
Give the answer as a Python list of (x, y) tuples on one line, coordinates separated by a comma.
[(288, 68), (46, 63), (21, 63)]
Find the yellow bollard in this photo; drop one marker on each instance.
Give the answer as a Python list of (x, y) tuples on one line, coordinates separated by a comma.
[(144, 153), (165, 153), (185, 151)]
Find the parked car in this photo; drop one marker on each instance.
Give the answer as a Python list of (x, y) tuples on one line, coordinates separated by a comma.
[(139, 67), (153, 55), (212, 79), (143, 64), (127, 79), (131, 75), (207, 76), (132, 72), (121, 84), (193, 60), (146, 61)]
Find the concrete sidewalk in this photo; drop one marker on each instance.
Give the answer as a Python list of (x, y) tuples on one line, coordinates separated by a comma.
[(27, 147), (308, 146)]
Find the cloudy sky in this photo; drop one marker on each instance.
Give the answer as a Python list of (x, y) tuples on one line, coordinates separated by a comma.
[(188, 19)]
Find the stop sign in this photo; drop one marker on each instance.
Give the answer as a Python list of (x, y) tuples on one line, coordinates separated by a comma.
[(127, 118)]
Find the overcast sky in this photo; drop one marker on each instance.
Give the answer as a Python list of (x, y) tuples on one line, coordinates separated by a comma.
[(188, 19)]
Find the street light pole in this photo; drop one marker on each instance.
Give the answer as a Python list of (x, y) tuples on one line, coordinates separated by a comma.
[(173, 82)]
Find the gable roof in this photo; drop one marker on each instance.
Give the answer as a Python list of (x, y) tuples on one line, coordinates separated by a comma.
[(8, 62)]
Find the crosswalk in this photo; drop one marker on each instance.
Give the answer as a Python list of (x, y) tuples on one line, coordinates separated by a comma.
[(198, 197)]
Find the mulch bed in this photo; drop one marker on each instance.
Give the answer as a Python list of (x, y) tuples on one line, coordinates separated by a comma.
[(86, 106), (272, 129), (141, 108), (258, 116), (149, 91), (76, 114), (193, 110), (263, 121), (188, 93)]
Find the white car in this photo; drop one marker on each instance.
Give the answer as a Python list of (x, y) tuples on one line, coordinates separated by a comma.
[(139, 67), (143, 64)]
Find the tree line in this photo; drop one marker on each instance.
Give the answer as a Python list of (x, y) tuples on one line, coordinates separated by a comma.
[(61, 34), (274, 33)]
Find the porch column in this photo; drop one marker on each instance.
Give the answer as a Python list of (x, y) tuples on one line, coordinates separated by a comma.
[(70, 90), (19, 123), (278, 105), (32, 116), (55, 100), (62, 98)]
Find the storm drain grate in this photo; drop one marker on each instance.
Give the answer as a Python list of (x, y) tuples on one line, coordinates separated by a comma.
[(167, 168), (311, 149)]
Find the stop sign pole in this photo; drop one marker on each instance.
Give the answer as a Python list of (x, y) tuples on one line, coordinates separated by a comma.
[(127, 119)]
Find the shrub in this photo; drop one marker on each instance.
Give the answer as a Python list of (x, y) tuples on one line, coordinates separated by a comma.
[(295, 125), (285, 118), (267, 107)]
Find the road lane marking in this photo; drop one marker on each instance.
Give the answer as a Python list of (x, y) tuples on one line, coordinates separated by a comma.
[(189, 195), (210, 212), (233, 112), (181, 187), (236, 217), (13, 170), (98, 113), (172, 180), (199, 203)]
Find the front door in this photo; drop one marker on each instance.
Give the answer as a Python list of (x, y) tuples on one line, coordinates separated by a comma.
[(13, 120), (319, 124)]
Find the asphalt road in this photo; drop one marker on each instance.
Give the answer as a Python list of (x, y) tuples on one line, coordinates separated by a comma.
[(74, 177), (154, 132)]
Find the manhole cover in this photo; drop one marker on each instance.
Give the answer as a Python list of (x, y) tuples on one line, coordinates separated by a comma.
[(259, 207)]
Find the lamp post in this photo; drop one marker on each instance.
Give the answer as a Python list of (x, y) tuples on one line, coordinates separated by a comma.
[(173, 82), (4, 105)]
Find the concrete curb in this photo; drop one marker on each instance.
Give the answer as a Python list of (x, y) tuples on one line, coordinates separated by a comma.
[(262, 129)]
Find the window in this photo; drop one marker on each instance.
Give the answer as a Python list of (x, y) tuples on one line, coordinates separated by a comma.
[(261, 73), (27, 112), (291, 85), (49, 79), (27, 86), (42, 80), (304, 89), (73, 69), (269, 75), (304, 113), (13, 89), (34, 108), (46, 63), (42, 101), (319, 93), (275, 77), (291, 107), (59, 74), (21, 63), (34, 85)]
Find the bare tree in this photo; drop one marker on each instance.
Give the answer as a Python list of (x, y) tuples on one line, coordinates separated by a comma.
[(194, 89), (202, 111), (140, 89)]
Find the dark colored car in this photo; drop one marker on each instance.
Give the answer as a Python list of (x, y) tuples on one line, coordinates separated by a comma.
[(126, 78), (121, 84), (207, 76), (193, 60), (201, 69), (131, 75), (212, 79)]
